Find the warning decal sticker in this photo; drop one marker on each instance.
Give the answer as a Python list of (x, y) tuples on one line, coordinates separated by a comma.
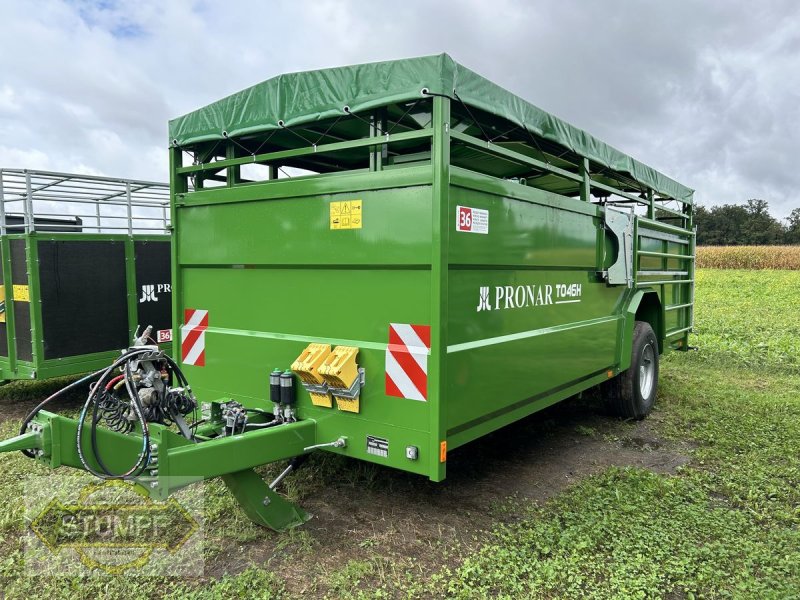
[(346, 214), (407, 361), (472, 220), (193, 337)]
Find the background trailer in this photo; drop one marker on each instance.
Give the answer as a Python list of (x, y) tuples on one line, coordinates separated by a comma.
[(85, 260), (387, 261)]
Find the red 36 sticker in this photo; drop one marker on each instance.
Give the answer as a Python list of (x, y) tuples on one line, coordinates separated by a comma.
[(472, 220), (164, 335)]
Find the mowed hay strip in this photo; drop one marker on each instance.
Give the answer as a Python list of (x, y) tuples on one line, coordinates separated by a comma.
[(749, 257)]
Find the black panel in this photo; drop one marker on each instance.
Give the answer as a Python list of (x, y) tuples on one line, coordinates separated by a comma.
[(84, 297), (16, 224), (19, 262), (153, 269), (22, 327), (22, 310)]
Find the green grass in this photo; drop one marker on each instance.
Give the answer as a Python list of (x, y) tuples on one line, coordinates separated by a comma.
[(726, 525), (748, 318)]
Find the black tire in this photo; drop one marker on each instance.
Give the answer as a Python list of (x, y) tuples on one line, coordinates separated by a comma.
[(631, 394)]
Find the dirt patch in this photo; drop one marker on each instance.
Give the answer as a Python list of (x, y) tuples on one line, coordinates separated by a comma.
[(402, 518)]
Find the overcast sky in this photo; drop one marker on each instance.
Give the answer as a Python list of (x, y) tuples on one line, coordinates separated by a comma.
[(707, 92)]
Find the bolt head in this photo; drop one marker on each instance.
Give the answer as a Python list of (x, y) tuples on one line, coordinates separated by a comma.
[(267, 500)]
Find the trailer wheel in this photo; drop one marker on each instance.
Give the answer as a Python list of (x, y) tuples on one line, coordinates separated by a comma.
[(634, 392)]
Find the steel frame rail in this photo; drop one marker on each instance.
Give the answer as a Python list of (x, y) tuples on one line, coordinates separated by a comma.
[(142, 206)]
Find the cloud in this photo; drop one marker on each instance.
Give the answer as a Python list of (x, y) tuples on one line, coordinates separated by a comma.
[(705, 91)]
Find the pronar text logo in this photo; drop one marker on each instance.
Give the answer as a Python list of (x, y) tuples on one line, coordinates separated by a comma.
[(150, 292), (503, 297)]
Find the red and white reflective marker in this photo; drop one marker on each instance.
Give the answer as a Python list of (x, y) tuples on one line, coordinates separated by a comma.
[(193, 337), (407, 361)]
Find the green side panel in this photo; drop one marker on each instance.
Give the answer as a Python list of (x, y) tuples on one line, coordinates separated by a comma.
[(274, 277), (301, 98), (296, 231), (528, 316)]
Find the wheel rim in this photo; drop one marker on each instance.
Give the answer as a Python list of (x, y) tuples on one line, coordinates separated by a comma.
[(647, 371)]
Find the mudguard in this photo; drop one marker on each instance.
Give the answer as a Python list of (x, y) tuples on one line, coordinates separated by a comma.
[(653, 313)]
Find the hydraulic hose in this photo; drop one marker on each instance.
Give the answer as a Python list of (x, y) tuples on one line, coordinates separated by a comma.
[(49, 399), (103, 383), (114, 381), (141, 463)]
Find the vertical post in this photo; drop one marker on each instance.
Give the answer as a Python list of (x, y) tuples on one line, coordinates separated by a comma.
[(273, 172), (11, 332), (2, 206), (131, 288), (35, 300), (177, 185), (97, 215), (586, 186), (129, 206), (233, 174), (28, 203), (651, 205), (376, 128), (689, 208), (440, 241)]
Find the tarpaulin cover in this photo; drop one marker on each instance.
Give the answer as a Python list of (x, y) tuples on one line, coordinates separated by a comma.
[(298, 98)]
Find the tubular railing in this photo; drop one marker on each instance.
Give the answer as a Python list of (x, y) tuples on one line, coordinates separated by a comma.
[(32, 200), (665, 234)]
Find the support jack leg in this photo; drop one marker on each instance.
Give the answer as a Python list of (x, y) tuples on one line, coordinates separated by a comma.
[(261, 504)]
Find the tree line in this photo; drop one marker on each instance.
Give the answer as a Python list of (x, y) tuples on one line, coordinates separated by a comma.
[(748, 224)]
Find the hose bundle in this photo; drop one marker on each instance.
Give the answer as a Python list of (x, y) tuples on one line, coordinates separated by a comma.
[(116, 413)]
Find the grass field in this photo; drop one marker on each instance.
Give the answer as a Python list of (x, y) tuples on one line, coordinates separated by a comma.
[(700, 500)]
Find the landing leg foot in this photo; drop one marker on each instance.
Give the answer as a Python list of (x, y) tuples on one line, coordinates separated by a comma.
[(261, 504)]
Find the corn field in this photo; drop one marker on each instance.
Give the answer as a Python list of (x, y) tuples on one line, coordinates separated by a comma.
[(748, 257)]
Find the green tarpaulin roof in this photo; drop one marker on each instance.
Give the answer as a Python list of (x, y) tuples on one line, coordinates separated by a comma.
[(298, 98)]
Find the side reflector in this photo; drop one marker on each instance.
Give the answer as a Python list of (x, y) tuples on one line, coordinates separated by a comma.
[(443, 451)]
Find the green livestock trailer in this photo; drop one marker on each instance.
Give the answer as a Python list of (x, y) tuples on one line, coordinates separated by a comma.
[(388, 261), (79, 255)]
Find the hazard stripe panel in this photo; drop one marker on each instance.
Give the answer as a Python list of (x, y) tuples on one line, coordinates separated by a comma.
[(193, 337), (407, 361)]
